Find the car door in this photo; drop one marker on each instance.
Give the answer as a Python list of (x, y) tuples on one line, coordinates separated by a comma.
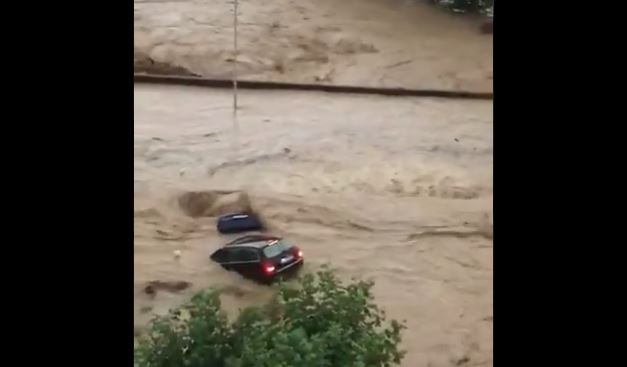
[(222, 257), (244, 260)]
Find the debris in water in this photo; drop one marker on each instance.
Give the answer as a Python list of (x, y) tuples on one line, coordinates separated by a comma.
[(400, 63), (168, 286), (214, 203), (487, 28), (463, 360)]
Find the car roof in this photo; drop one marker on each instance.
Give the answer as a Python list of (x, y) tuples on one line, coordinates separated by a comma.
[(257, 241)]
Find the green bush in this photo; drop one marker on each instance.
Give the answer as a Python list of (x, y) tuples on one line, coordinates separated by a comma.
[(477, 6), (320, 322)]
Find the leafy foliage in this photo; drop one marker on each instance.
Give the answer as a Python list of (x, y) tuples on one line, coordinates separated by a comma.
[(480, 6), (321, 322)]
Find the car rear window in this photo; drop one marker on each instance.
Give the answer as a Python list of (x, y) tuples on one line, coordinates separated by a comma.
[(276, 249)]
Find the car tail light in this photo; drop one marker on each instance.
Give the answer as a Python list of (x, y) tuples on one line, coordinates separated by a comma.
[(268, 268), (297, 252)]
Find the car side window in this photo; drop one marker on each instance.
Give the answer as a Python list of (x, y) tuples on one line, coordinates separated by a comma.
[(244, 254), (220, 256)]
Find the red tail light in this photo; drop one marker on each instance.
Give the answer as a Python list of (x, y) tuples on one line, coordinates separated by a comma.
[(268, 268), (297, 252)]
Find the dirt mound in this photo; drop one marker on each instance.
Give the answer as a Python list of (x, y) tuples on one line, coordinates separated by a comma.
[(214, 203)]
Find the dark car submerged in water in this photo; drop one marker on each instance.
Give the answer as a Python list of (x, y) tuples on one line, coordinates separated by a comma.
[(260, 258)]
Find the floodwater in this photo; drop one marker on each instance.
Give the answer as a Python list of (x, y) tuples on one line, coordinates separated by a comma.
[(398, 190), (383, 43)]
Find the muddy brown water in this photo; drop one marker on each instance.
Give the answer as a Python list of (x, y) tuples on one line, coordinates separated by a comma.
[(379, 43), (398, 190)]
